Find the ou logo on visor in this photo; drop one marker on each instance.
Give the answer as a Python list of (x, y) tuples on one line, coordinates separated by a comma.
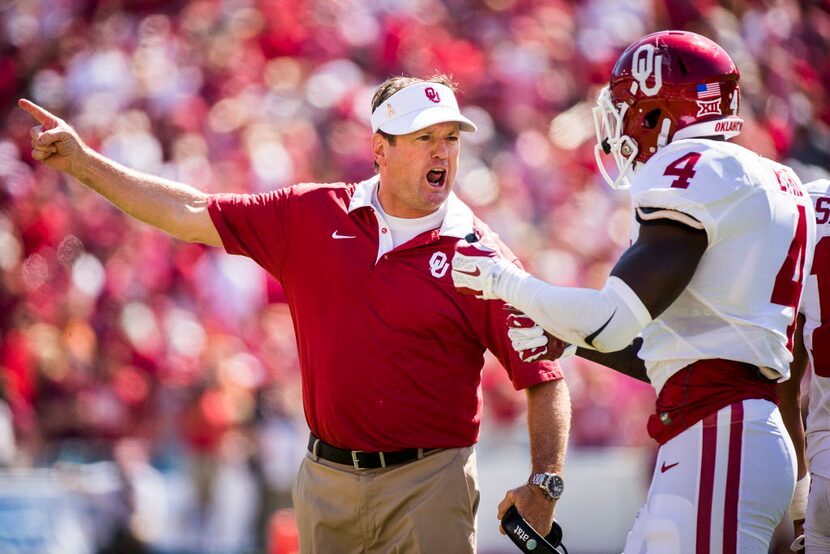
[(438, 265), (644, 64), (432, 94)]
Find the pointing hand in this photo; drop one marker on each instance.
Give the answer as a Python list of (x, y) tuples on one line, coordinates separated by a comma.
[(54, 142)]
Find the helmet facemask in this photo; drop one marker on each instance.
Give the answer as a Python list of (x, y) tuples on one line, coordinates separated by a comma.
[(609, 125)]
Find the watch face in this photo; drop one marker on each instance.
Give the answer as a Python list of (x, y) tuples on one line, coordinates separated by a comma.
[(551, 483), (556, 486)]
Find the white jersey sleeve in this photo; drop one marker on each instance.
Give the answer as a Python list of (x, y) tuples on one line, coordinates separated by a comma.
[(816, 309), (740, 305)]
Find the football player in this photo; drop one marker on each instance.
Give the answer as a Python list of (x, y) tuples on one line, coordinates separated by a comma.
[(811, 514), (721, 244)]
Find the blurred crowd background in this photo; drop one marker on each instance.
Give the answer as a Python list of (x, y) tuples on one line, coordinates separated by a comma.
[(160, 377)]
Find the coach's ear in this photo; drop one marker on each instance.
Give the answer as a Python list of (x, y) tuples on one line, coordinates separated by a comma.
[(379, 147)]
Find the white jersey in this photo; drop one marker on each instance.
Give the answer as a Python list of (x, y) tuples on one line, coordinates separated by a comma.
[(740, 305), (816, 309)]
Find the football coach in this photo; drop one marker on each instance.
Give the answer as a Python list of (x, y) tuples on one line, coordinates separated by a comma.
[(390, 353)]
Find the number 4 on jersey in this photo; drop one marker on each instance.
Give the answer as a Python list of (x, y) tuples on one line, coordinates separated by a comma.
[(683, 168), (790, 278)]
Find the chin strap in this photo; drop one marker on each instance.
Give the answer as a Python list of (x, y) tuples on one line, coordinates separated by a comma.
[(663, 137)]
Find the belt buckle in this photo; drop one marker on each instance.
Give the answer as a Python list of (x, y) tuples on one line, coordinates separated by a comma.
[(356, 462)]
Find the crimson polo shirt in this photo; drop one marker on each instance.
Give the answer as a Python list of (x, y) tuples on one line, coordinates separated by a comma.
[(390, 353)]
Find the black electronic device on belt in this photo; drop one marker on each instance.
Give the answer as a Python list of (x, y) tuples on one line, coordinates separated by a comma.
[(528, 539)]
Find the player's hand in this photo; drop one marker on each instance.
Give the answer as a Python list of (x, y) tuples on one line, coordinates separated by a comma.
[(475, 266), (527, 338), (536, 508), (54, 142), (531, 342)]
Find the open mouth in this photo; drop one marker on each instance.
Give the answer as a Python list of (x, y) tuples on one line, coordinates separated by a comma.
[(436, 177)]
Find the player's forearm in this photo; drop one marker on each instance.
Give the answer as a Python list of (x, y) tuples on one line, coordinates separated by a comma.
[(624, 361), (549, 423), (606, 320), (175, 208)]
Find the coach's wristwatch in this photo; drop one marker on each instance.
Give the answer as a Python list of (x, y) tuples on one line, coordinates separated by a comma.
[(550, 483)]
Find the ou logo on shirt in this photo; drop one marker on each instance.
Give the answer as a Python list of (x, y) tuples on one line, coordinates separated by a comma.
[(438, 265)]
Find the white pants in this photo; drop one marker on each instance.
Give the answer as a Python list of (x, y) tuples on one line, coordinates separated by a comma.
[(817, 524), (721, 486)]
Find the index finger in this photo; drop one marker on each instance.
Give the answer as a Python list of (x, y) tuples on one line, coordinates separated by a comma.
[(43, 117)]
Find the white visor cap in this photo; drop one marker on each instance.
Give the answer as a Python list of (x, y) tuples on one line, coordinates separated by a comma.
[(416, 107)]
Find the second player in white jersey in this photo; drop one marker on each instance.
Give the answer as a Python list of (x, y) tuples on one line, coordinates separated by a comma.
[(810, 510), (816, 309)]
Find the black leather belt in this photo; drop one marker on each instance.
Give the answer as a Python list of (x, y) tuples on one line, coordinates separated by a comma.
[(360, 459)]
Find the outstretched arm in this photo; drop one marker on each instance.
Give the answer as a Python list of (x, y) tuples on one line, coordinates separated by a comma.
[(175, 208), (649, 276)]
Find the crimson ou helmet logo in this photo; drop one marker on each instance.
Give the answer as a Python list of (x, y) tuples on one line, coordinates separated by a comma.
[(432, 94)]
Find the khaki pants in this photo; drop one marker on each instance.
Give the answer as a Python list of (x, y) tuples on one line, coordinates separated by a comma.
[(426, 506)]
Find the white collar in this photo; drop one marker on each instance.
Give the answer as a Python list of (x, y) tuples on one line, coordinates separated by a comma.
[(458, 222)]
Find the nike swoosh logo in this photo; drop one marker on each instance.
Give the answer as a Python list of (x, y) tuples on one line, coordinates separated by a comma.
[(665, 467), (470, 273), (589, 340), (337, 235)]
